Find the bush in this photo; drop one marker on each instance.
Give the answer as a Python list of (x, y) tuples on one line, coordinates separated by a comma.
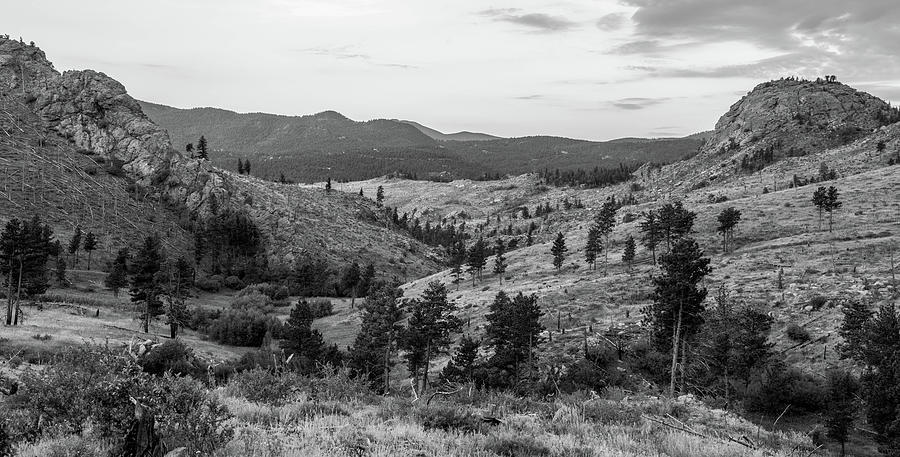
[(201, 318), (209, 284), (797, 333), (65, 446), (172, 356), (234, 283), (770, 390), (516, 446), (263, 386), (241, 327), (448, 418), (252, 301), (321, 308)]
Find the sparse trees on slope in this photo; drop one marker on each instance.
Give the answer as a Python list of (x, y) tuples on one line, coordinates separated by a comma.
[(592, 247), (559, 251), (728, 220), (90, 244), (75, 244), (428, 330), (499, 260), (118, 272), (675, 222), (629, 252), (376, 343), (379, 197), (676, 312), (827, 200), (457, 252), (145, 281)]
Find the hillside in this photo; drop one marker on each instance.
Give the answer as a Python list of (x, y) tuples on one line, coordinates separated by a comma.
[(312, 148), (90, 141)]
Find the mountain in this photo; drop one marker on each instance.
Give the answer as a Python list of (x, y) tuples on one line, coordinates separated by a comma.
[(102, 163), (313, 148), (458, 136)]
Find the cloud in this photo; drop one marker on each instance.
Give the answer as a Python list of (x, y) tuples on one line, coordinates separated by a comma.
[(339, 52), (850, 39), (636, 103), (535, 21), (612, 21), (530, 97)]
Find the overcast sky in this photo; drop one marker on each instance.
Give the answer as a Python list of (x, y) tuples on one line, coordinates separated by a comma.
[(586, 69)]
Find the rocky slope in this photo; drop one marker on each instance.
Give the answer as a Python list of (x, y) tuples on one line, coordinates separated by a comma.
[(94, 114)]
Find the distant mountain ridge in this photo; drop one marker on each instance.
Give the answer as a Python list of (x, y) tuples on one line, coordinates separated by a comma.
[(458, 136), (314, 147)]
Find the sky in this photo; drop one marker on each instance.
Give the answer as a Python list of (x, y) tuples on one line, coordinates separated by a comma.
[(591, 69)]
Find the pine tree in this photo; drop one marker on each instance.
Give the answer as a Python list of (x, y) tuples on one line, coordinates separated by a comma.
[(429, 328), (651, 234), (499, 260), (513, 331), (246, 166), (833, 203), (674, 222), (328, 184), (60, 272), (629, 252), (676, 312), (461, 367), (90, 244), (145, 282), (376, 343), (559, 251), (176, 314), (300, 339), (360, 192), (476, 260), (240, 166), (592, 247), (854, 330), (379, 197), (728, 220), (819, 200), (75, 244), (118, 272), (189, 148), (25, 248), (605, 221), (841, 406), (367, 279), (202, 151), (350, 281)]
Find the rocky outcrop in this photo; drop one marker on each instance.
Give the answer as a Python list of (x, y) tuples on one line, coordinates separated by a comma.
[(797, 117), (95, 113)]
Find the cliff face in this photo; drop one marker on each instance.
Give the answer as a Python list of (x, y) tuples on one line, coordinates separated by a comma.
[(95, 113)]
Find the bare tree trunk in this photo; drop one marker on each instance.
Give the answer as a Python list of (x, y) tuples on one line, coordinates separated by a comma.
[(18, 293), (675, 353)]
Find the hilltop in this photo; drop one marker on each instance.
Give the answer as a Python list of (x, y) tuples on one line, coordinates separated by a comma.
[(312, 148), (76, 128)]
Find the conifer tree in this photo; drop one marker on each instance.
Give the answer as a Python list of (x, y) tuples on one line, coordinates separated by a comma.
[(728, 220), (676, 312), (376, 343), (202, 148), (328, 184), (476, 260), (841, 406), (674, 222), (513, 331), (90, 244), (854, 330), (300, 339), (350, 281), (461, 367), (24, 250), (629, 252), (367, 279), (145, 281), (189, 148), (499, 260), (118, 272), (429, 328), (832, 204), (651, 234), (379, 197), (177, 314), (75, 244), (240, 166), (246, 166), (360, 192), (60, 272), (457, 254), (605, 221), (559, 251), (592, 247)]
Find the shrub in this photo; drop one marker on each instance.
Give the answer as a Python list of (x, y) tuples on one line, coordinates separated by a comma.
[(208, 284), (241, 327), (448, 418), (171, 356), (777, 385), (65, 446), (797, 333), (281, 293), (321, 308), (263, 386), (818, 302), (201, 318), (188, 416), (234, 283), (629, 217), (516, 446), (252, 301)]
